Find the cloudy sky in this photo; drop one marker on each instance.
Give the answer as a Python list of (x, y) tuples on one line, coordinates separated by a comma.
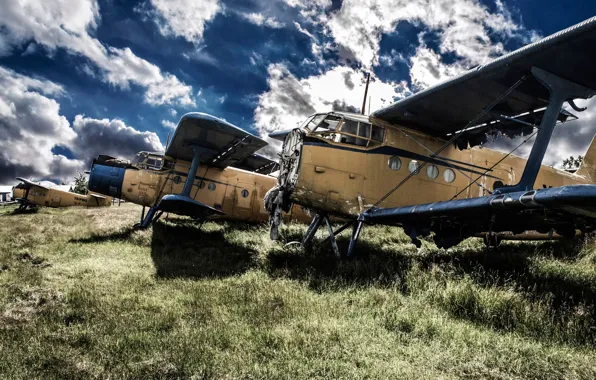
[(83, 77)]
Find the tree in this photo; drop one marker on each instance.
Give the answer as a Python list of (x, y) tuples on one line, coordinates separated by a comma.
[(573, 163), (81, 186)]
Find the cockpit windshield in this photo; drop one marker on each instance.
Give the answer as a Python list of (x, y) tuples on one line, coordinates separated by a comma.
[(343, 129), (312, 123), (151, 161)]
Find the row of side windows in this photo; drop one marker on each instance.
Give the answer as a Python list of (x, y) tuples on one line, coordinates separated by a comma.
[(432, 171)]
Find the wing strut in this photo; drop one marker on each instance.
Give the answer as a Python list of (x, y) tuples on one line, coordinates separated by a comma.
[(471, 123), (182, 203), (561, 90)]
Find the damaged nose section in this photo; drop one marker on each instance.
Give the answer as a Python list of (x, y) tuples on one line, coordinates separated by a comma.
[(107, 175), (278, 199)]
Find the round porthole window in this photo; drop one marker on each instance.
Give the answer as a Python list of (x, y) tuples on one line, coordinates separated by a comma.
[(244, 193), (202, 185), (177, 179), (449, 175), (394, 163), (211, 186), (414, 167), (432, 171)]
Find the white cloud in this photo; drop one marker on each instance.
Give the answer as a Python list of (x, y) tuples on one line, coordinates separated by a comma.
[(260, 19), (309, 4), (463, 27), (67, 24), (31, 126), (112, 137), (290, 100), (168, 124), (173, 112), (426, 68), (184, 18)]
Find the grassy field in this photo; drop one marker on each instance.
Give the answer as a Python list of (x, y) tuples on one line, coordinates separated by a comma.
[(82, 295)]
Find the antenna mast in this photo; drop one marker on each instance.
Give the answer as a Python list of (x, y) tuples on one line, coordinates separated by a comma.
[(168, 142), (365, 93)]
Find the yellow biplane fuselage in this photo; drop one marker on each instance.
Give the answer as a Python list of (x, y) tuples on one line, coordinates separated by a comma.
[(235, 192), (52, 197), (349, 168)]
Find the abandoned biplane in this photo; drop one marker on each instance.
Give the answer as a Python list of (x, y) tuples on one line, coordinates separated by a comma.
[(417, 164), (228, 178), (31, 195)]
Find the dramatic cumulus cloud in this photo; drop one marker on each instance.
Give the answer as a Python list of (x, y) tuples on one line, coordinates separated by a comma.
[(463, 26), (184, 18), (290, 100), (111, 137), (466, 29), (31, 127), (67, 24)]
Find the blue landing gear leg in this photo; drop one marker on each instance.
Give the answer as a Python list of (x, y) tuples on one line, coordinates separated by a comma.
[(151, 217), (354, 238)]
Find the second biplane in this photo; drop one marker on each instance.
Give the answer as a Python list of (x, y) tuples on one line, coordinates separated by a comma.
[(416, 163), (31, 195), (227, 178)]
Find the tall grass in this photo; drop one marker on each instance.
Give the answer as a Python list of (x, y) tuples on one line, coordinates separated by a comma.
[(84, 295)]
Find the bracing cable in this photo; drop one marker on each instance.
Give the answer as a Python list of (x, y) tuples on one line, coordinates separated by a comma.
[(497, 163), (453, 138)]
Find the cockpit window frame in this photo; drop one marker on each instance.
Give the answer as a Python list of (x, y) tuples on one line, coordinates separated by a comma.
[(152, 161), (337, 133)]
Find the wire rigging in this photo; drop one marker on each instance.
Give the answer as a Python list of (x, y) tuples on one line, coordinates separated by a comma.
[(453, 138)]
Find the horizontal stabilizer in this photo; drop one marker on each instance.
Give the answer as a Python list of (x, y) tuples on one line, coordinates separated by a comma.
[(182, 205), (220, 143)]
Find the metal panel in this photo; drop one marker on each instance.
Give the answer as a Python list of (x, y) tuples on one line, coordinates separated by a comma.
[(449, 106), (221, 143)]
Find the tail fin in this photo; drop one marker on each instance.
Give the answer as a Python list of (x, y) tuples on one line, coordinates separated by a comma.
[(588, 167)]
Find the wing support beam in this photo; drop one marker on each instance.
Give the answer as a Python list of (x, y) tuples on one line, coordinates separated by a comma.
[(561, 90), (182, 203)]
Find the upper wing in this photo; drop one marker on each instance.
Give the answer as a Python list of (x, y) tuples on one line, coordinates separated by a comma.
[(562, 209), (448, 107), (29, 184), (257, 163), (222, 144)]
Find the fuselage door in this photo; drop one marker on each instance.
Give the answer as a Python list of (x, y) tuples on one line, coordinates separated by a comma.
[(244, 193)]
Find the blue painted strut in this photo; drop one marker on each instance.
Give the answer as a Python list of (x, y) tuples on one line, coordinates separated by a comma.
[(561, 90)]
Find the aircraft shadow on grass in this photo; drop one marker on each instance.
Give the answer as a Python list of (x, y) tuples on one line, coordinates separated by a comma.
[(180, 249)]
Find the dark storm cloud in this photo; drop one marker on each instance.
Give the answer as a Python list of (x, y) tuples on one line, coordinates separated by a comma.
[(342, 106), (348, 80), (111, 137)]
